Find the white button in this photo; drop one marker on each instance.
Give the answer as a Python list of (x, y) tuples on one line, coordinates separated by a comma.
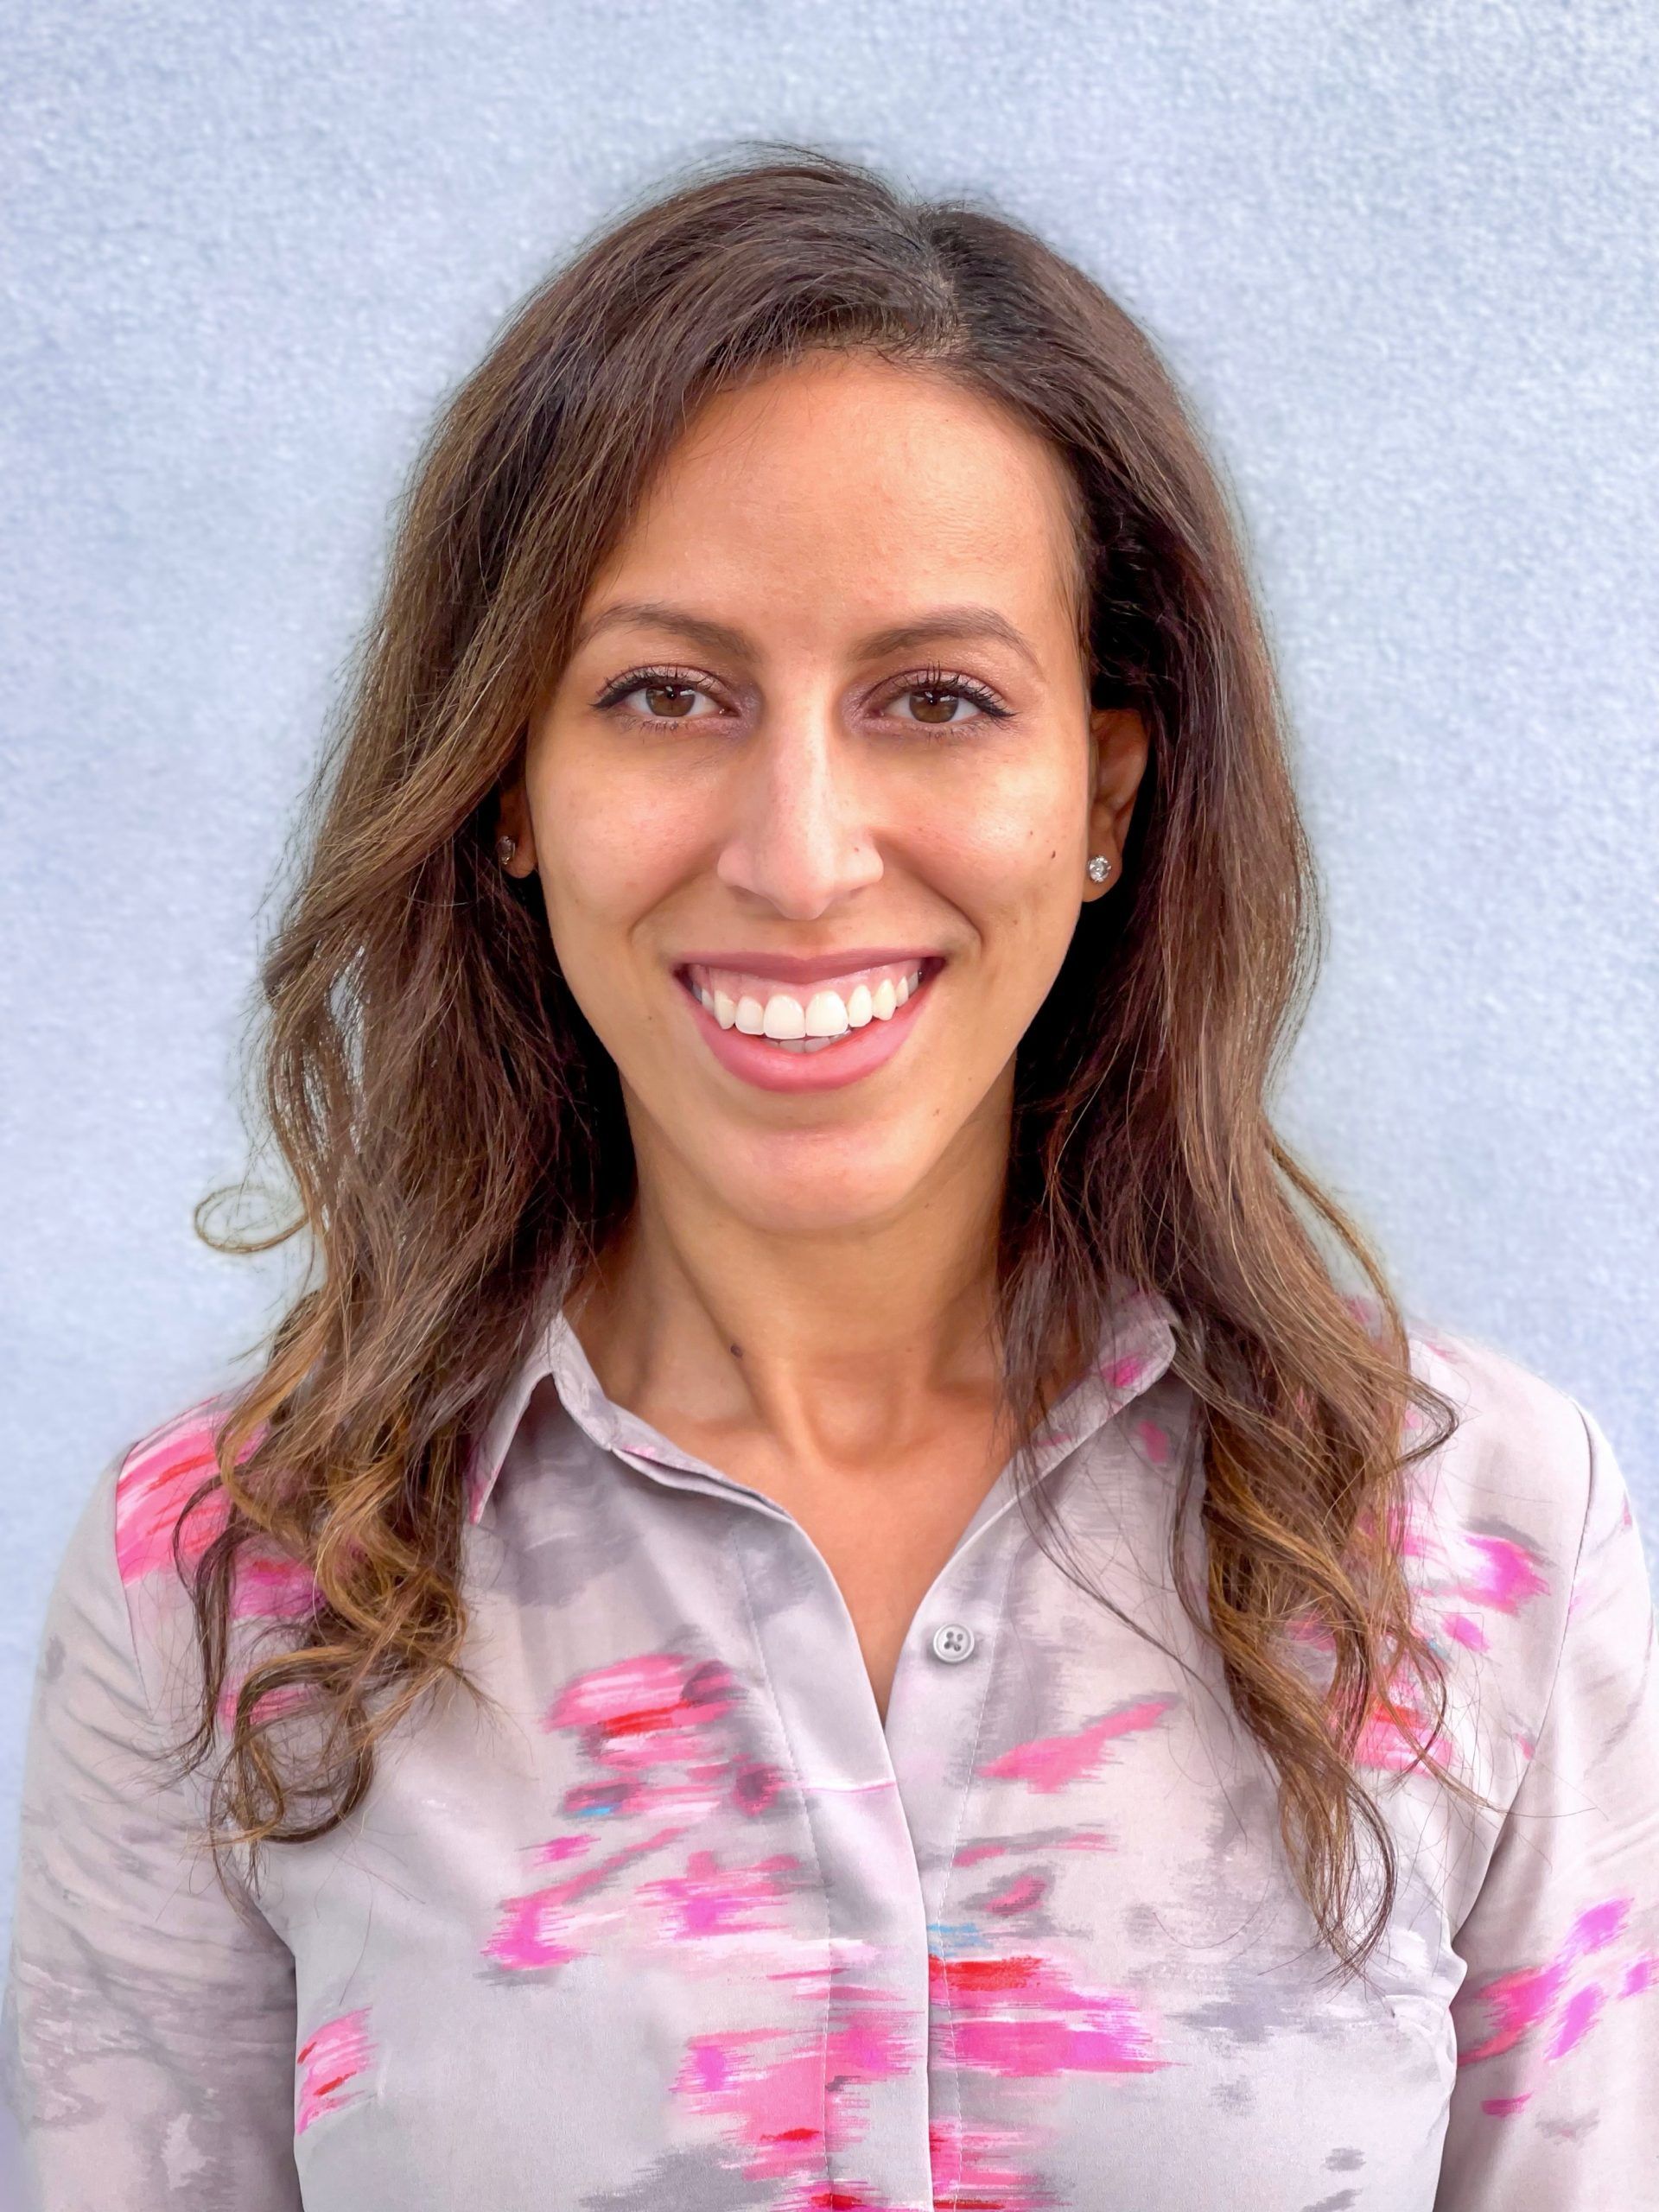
[(952, 1642)]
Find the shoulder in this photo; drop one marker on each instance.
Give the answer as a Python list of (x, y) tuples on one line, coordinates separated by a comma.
[(158, 1505), (1530, 1464), (153, 1483), (1520, 1441), (1498, 1517), (1521, 1471), (116, 1613)]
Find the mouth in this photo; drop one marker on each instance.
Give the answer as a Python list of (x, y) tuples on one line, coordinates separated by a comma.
[(813, 1033), (807, 1017)]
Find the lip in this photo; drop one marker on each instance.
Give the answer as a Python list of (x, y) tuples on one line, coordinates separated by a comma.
[(815, 967), (849, 1060)]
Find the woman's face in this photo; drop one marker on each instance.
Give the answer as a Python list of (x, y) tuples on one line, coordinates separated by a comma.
[(813, 800)]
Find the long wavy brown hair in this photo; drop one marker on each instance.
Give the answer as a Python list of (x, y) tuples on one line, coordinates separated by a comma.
[(452, 1136)]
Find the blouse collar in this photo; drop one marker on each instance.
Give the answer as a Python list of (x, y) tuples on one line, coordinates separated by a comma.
[(1136, 1347)]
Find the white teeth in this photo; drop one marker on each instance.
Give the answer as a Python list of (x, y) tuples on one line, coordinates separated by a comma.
[(785, 1021)]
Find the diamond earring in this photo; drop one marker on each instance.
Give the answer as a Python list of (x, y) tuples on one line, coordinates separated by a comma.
[(1099, 868), (505, 846)]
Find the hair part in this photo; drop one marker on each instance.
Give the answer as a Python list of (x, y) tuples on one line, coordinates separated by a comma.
[(454, 1134)]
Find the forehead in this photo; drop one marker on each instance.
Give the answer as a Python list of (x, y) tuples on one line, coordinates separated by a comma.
[(844, 484)]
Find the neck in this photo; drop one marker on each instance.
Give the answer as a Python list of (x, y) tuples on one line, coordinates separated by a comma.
[(841, 1344)]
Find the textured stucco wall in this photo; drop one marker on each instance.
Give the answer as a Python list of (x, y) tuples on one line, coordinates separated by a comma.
[(1402, 256)]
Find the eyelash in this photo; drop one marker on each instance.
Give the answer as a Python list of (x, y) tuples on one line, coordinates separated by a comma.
[(927, 679)]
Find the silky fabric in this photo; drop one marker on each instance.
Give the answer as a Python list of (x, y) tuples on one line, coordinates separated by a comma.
[(671, 1919)]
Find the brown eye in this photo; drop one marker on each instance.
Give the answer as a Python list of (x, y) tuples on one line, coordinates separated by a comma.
[(666, 696), (940, 707), (932, 699), (660, 698)]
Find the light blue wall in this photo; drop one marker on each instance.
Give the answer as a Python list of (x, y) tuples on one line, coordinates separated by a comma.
[(1402, 255)]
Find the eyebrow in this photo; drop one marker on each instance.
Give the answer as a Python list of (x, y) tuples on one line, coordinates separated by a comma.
[(937, 625)]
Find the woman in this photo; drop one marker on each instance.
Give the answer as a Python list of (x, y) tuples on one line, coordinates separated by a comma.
[(846, 1588)]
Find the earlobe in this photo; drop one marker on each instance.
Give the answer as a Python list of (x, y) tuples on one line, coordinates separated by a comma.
[(1120, 746)]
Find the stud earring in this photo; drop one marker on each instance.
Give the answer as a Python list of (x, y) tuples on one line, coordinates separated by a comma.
[(505, 846), (1099, 868)]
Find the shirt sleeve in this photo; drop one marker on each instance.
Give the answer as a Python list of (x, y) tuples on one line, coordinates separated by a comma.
[(148, 2032), (1556, 2097)]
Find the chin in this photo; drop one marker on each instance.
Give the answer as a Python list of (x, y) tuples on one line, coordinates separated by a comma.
[(801, 1186)]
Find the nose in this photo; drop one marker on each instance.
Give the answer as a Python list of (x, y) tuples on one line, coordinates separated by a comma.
[(801, 824)]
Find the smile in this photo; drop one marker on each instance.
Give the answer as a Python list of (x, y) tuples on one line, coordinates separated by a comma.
[(817, 1034), (803, 1018)]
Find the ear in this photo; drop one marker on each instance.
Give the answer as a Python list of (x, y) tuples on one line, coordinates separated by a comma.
[(512, 819), (1120, 746)]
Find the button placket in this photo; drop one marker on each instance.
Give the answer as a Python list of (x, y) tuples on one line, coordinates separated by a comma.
[(858, 1849)]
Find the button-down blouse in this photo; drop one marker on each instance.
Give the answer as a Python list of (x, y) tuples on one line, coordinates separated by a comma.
[(676, 1923)]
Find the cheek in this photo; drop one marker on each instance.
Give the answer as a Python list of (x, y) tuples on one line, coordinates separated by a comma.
[(1005, 849), (607, 852)]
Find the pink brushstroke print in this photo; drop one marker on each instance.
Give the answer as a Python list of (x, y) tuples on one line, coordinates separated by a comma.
[(1123, 1374), (1553, 2006), (649, 1727), (980, 2169), (787, 2100), (790, 2100), (1081, 1839), (1050, 1762), (1022, 1893), (1478, 1565), (266, 1591), (152, 1487), (1498, 1572), (1155, 1442), (651, 1734), (270, 1705), (707, 1899), (1021, 2018), (1463, 1629), (1025, 2015), (551, 1926), (1397, 1736), (330, 2060), (1462, 1577), (268, 1588)]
